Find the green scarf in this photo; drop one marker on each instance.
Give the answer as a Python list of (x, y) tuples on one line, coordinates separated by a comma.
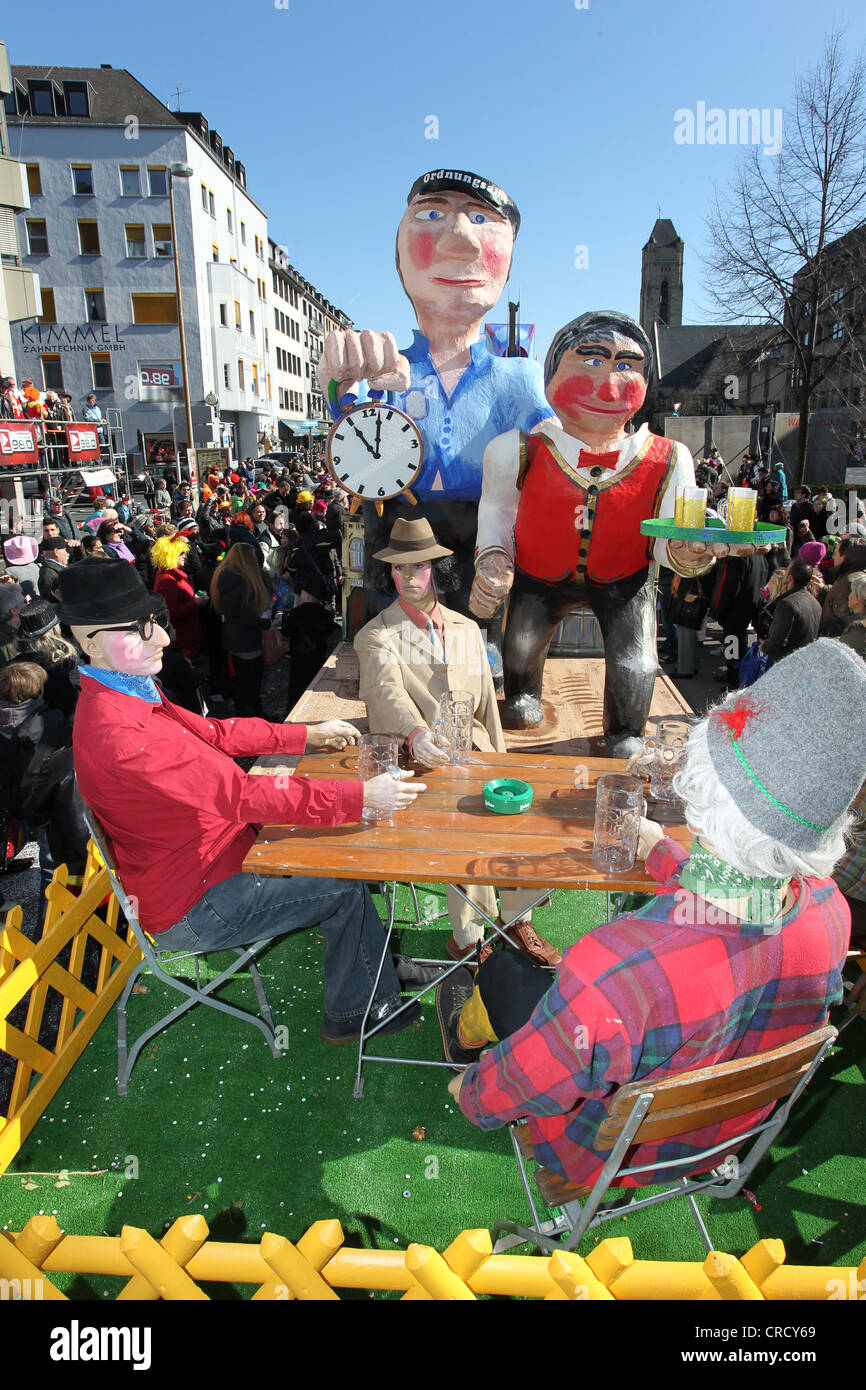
[(711, 878)]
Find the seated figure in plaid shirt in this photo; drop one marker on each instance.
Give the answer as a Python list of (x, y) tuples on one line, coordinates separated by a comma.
[(740, 951)]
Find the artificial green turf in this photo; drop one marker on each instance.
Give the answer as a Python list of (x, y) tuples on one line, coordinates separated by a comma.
[(213, 1124)]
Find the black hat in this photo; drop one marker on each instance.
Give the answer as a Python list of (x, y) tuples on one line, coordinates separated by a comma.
[(52, 543), (98, 591), (37, 617), (459, 181)]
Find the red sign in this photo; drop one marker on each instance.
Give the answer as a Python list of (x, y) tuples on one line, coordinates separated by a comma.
[(158, 376), (17, 443), (83, 443)]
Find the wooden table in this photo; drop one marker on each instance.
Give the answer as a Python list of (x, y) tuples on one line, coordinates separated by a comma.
[(447, 836)]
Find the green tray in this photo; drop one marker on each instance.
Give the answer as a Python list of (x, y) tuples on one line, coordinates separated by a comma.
[(765, 533)]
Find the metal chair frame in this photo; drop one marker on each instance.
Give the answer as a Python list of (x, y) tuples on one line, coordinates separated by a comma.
[(156, 961), (725, 1180)]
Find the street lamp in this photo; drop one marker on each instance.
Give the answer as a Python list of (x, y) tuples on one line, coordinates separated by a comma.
[(180, 171)]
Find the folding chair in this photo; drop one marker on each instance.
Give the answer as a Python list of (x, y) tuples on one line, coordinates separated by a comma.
[(649, 1111), (155, 960)]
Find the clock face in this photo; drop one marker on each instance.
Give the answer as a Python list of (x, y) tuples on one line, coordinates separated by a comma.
[(374, 451)]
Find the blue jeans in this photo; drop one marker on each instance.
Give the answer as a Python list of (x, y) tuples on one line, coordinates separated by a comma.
[(247, 908)]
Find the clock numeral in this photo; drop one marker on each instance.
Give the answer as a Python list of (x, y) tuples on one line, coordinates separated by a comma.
[(359, 489), (367, 413), (413, 444), (335, 458), (389, 414), (381, 492), (399, 482), (406, 427), (343, 477)]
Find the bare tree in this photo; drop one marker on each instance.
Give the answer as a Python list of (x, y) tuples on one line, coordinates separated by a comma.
[(772, 233)]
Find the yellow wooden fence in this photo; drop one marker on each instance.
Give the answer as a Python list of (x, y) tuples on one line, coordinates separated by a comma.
[(176, 1266), (31, 968)]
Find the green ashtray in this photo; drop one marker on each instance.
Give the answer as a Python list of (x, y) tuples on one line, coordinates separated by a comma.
[(765, 533), (506, 796)]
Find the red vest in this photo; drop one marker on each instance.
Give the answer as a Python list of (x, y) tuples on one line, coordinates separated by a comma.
[(566, 531)]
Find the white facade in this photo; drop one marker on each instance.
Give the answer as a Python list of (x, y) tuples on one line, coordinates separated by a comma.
[(19, 288), (300, 319)]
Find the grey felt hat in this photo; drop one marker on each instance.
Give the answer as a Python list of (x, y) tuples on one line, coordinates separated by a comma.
[(789, 787)]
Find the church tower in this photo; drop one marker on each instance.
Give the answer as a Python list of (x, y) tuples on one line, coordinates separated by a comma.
[(661, 281)]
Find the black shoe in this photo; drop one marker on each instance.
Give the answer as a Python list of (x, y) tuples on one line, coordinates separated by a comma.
[(413, 975), (451, 996), (349, 1030), (522, 712)]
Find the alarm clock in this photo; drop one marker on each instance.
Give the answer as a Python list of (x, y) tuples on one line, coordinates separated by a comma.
[(374, 451)]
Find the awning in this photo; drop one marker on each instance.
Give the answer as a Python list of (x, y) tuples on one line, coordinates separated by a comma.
[(97, 477)]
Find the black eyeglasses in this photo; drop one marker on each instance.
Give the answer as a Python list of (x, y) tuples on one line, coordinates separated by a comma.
[(143, 626)]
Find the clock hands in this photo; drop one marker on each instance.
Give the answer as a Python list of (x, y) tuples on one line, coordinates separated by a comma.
[(360, 435), (378, 433)]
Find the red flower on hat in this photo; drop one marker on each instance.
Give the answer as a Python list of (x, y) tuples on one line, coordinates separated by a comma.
[(735, 717)]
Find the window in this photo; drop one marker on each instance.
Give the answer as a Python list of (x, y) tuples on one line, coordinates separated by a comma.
[(77, 98), (157, 181), (238, 315), (229, 219), (52, 372), (48, 314), (255, 381), (224, 315), (94, 303), (135, 247), (130, 181), (252, 323), (88, 238), (204, 196), (82, 180), (241, 386), (227, 375), (100, 365), (838, 296), (838, 331), (34, 180), (210, 204), (243, 233), (37, 237), (162, 239), (154, 308), (42, 98), (215, 251)]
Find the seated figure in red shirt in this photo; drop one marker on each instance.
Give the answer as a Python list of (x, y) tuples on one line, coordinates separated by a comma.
[(740, 951), (181, 815)]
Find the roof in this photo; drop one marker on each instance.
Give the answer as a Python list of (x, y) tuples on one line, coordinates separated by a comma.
[(688, 353), (664, 233), (115, 95)]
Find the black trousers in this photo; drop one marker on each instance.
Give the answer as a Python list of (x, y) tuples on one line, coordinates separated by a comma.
[(626, 615), (510, 986), (248, 686)]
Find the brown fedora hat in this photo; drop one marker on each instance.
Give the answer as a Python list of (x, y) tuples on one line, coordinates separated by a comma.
[(410, 542)]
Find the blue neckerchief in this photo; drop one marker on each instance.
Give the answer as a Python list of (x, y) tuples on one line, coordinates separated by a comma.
[(140, 687)]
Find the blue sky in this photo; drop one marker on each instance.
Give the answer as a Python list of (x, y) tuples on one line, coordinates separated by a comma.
[(571, 110)]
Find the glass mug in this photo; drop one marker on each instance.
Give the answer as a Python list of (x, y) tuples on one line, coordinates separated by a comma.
[(377, 753), (668, 745), (742, 505), (619, 804), (453, 729), (694, 507)]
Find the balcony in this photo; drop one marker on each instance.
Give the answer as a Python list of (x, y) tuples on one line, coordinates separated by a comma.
[(13, 184), (22, 292)]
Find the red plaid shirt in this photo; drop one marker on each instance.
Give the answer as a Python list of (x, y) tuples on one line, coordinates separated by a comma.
[(650, 994)]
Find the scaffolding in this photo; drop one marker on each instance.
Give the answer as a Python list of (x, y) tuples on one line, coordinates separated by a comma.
[(54, 468)]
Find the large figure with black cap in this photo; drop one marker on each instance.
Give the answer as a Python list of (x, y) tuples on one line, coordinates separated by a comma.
[(181, 815), (559, 523), (455, 243)]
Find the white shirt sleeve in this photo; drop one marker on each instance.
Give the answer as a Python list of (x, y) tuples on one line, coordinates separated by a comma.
[(497, 510), (682, 475)]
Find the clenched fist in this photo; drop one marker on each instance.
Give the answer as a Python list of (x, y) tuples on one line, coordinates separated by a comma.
[(333, 733), (387, 792), (352, 357), (493, 580)]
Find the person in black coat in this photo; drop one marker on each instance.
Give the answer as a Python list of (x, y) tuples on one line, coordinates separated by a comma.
[(239, 595), (736, 598), (796, 615)]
